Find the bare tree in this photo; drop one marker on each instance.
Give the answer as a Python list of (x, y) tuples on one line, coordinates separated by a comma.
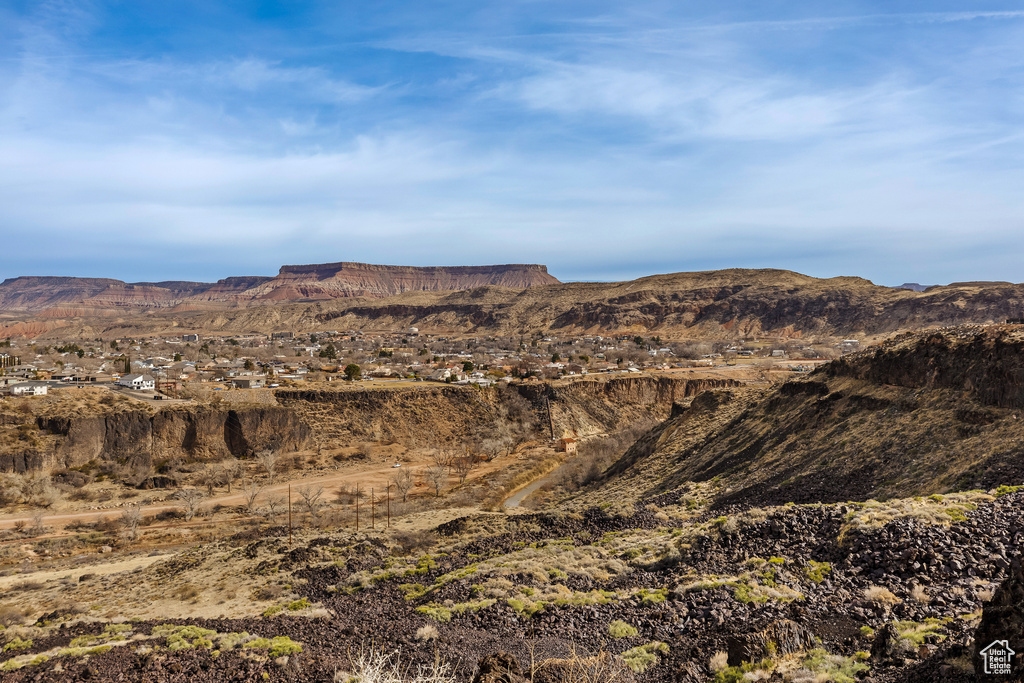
[(37, 527), (443, 457), (130, 520), (403, 483), (209, 477), (232, 469), (190, 499), (437, 475), (462, 466), (274, 504), (249, 494), (346, 496), (312, 498), (268, 459), (491, 448)]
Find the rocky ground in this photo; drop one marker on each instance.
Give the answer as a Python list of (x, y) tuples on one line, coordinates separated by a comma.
[(888, 592)]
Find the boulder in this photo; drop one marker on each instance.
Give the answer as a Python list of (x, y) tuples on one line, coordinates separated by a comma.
[(781, 637), (500, 667)]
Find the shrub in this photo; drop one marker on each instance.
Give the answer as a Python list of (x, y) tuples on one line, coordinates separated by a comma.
[(11, 615), (436, 612), (834, 667), (620, 629), (17, 643), (283, 645), (816, 571), (184, 637), (639, 659)]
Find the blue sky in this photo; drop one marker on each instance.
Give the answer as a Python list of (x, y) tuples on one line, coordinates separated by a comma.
[(149, 140)]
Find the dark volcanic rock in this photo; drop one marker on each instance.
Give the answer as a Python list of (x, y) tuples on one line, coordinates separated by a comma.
[(781, 637), (1003, 620), (501, 667)]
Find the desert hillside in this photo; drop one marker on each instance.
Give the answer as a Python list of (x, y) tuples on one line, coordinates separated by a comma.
[(863, 522), (77, 296), (725, 304), (920, 414)]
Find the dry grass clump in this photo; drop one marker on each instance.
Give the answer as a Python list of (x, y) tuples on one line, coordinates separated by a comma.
[(881, 594), (412, 541), (373, 666), (719, 661), (11, 614), (426, 633), (936, 509), (919, 594), (187, 591)]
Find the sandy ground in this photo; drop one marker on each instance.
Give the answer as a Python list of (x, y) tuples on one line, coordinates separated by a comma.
[(100, 568), (373, 475)]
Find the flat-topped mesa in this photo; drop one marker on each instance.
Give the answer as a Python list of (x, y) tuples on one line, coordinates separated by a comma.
[(348, 279), (293, 283), (40, 292)]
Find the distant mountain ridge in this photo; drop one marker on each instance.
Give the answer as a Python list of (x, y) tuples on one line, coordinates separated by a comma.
[(719, 304), (316, 282)]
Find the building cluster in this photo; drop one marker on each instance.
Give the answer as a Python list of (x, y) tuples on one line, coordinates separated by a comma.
[(287, 357)]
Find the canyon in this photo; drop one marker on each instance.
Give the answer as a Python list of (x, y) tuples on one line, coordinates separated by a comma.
[(431, 416)]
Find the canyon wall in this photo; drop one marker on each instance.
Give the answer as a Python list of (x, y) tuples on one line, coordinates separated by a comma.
[(432, 416), (138, 438), (589, 407), (985, 364)]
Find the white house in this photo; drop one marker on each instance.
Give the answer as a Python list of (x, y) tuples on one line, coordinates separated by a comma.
[(138, 382), (29, 389)]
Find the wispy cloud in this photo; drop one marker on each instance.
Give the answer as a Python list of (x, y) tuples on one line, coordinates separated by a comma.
[(607, 144)]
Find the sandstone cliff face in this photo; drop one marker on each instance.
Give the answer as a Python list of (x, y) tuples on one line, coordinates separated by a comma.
[(103, 296), (429, 416), (432, 416), (138, 438), (715, 304), (446, 415), (338, 280), (589, 407)]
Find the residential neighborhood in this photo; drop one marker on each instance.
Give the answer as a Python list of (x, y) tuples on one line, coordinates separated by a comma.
[(173, 366)]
